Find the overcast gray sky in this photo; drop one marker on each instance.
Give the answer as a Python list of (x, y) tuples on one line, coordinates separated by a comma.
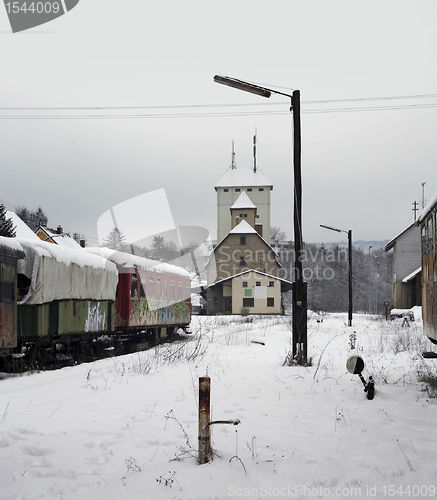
[(361, 170)]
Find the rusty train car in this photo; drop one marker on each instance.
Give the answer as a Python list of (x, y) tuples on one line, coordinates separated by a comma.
[(152, 296), (79, 305), (428, 225), (10, 252)]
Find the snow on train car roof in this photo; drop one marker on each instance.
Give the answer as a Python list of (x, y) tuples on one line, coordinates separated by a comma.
[(65, 255), (11, 247), (128, 260)]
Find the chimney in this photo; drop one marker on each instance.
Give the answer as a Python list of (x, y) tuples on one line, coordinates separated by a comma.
[(82, 243), (59, 230)]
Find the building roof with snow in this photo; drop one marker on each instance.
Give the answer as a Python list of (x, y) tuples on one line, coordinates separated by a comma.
[(244, 228), (243, 176), (22, 230), (243, 201)]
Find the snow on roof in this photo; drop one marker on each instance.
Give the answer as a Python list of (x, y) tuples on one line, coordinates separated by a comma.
[(243, 176), (61, 239), (282, 280), (58, 273), (412, 275), (11, 247), (243, 228), (22, 230), (128, 260), (428, 208), (243, 201)]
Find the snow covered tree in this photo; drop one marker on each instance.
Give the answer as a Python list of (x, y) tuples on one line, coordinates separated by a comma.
[(116, 240), (7, 227), (33, 219), (276, 234)]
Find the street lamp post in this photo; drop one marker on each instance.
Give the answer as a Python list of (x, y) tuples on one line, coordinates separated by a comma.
[(299, 286), (349, 239)]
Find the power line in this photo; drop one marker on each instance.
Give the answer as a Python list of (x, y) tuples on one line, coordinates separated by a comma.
[(211, 114)]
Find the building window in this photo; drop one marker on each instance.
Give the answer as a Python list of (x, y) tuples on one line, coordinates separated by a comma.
[(258, 283), (226, 190), (249, 189), (248, 302), (248, 292), (242, 261), (242, 240), (237, 190), (245, 215), (261, 189), (270, 302), (271, 283), (244, 284)]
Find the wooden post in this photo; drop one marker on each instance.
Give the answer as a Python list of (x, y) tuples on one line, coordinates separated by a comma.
[(204, 420)]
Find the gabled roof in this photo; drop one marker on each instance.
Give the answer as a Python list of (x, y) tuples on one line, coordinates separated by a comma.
[(243, 227), (392, 242), (63, 239), (243, 176), (22, 230), (288, 284), (243, 201)]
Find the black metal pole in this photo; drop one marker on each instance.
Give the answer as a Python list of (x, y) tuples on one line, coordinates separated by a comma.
[(299, 287)]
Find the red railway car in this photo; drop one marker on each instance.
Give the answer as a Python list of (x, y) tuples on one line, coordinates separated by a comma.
[(151, 296)]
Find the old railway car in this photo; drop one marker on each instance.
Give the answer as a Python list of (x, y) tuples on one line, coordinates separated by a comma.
[(152, 297), (10, 252), (66, 299), (428, 225)]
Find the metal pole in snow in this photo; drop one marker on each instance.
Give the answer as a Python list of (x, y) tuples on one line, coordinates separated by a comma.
[(204, 419)]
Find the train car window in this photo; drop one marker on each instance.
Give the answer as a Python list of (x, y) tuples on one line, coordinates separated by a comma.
[(134, 285), (143, 281), (7, 273), (187, 290), (165, 289), (180, 291), (151, 286), (158, 287), (172, 289), (23, 285)]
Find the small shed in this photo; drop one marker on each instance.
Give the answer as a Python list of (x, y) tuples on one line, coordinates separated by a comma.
[(10, 252)]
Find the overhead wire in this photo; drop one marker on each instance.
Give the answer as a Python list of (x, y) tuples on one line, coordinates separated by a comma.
[(99, 111)]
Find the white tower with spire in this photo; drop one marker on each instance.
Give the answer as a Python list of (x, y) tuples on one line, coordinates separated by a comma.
[(243, 179)]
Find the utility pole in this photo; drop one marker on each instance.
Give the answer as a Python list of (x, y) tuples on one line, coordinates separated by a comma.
[(299, 286), (415, 209)]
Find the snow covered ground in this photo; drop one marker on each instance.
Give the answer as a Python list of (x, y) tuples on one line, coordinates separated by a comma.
[(126, 427)]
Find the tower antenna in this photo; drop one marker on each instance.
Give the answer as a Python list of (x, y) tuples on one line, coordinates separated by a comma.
[(233, 156)]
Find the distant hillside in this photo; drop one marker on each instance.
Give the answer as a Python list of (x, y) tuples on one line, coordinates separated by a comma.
[(363, 245)]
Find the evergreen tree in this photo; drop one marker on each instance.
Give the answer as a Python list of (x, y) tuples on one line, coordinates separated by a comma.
[(7, 227), (116, 240), (33, 219)]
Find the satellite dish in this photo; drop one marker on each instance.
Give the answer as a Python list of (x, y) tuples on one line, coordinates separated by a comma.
[(355, 365)]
